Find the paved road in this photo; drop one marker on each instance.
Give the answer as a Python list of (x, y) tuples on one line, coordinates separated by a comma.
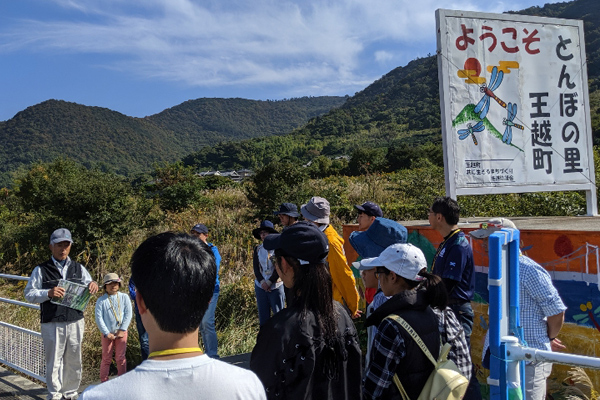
[(15, 387)]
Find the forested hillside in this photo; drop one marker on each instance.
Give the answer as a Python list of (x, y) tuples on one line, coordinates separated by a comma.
[(397, 118), (110, 140), (396, 114)]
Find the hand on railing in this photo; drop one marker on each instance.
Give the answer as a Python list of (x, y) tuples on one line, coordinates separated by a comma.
[(556, 345)]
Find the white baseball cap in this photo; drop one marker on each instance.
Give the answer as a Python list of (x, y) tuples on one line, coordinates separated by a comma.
[(404, 259)]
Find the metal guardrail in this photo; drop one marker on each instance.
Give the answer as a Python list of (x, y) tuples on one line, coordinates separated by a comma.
[(20, 348)]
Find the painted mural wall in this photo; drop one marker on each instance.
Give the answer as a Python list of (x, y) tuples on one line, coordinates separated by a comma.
[(572, 259)]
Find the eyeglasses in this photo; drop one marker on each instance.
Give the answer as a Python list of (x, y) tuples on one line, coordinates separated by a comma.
[(380, 271), (487, 225)]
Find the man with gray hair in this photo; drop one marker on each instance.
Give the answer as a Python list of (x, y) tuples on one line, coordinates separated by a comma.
[(317, 212), (62, 327), (542, 311)]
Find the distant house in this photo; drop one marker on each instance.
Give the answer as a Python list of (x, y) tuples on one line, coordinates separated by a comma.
[(209, 173), (245, 173), (236, 176)]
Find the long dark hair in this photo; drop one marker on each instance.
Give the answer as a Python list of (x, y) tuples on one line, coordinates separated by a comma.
[(313, 292), (436, 294)]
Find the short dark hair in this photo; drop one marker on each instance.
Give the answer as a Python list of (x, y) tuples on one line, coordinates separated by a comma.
[(175, 274), (448, 207)]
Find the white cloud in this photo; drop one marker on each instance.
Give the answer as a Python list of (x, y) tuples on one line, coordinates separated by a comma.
[(264, 42)]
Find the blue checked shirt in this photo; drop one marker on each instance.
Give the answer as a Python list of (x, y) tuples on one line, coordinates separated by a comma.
[(388, 350), (539, 300)]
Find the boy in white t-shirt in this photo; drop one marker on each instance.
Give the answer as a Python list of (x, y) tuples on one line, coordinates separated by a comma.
[(175, 276)]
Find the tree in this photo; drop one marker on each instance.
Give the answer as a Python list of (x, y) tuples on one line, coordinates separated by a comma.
[(94, 205), (276, 183), (177, 187), (366, 160)]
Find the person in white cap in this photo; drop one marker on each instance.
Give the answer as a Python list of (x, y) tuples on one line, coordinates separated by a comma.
[(317, 211), (542, 311), (62, 327), (402, 274), (113, 315)]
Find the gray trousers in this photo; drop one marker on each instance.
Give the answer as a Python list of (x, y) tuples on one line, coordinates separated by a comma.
[(62, 349)]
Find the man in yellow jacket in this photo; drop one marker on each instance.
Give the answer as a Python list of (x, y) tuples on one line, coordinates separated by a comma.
[(344, 286)]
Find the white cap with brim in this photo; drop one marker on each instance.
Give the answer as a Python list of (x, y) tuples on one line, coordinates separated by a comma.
[(404, 259), (365, 264), (493, 225)]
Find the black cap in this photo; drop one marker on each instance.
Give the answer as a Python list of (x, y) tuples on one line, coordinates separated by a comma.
[(264, 226), (288, 209), (303, 241), (200, 228), (370, 208)]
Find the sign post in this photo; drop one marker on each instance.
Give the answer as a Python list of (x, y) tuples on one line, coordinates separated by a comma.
[(515, 110)]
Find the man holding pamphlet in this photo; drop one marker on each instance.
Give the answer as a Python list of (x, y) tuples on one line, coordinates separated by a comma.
[(51, 283)]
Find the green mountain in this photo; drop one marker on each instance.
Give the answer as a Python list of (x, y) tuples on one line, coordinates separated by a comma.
[(399, 110), (99, 137)]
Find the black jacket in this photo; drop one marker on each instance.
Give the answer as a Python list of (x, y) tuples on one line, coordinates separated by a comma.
[(293, 362), (414, 369)]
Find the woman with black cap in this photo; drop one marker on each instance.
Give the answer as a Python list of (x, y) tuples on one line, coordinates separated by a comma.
[(267, 285), (309, 350)]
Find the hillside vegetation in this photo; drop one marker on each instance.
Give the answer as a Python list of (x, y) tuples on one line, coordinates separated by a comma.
[(401, 109), (99, 137)]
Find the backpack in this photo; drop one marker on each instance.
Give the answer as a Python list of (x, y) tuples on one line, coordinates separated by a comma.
[(445, 381)]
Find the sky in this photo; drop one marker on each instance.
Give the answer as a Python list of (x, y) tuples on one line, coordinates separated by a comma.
[(139, 57)]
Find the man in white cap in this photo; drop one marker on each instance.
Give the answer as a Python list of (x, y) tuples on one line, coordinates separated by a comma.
[(344, 286), (62, 327), (542, 311)]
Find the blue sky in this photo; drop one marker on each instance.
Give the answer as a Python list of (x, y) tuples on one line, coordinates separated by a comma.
[(140, 57)]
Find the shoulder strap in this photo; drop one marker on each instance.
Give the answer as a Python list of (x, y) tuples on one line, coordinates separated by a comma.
[(414, 335)]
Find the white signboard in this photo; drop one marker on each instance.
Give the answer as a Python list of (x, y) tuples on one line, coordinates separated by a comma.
[(515, 108)]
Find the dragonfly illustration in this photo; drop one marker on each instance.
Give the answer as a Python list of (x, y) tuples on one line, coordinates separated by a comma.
[(483, 106), (508, 121), (470, 130), (588, 315)]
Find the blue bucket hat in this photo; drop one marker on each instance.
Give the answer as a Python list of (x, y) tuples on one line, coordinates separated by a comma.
[(381, 234)]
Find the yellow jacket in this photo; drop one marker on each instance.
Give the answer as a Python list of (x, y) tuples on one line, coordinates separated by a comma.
[(344, 285)]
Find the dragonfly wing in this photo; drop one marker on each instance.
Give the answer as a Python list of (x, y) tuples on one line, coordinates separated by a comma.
[(493, 77), (498, 81), (580, 317), (479, 127), (512, 111), (486, 108), (507, 137), (481, 103)]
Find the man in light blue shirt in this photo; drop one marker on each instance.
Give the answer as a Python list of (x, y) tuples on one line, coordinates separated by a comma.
[(542, 311), (207, 327), (62, 327)]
